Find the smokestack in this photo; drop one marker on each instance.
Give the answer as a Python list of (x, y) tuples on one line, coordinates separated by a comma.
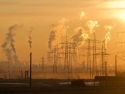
[(30, 70)]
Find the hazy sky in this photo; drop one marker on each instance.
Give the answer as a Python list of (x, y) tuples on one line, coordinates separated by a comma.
[(41, 14)]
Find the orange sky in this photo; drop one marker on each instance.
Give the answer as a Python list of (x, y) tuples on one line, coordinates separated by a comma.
[(41, 14)]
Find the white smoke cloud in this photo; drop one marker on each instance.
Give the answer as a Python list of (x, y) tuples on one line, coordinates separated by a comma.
[(91, 24), (8, 45), (58, 30), (82, 14), (108, 34), (107, 37), (109, 28), (79, 36)]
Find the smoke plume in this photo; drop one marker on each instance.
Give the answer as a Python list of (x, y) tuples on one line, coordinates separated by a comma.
[(79, 36), (58, 30), (91, 24), (30, 38), (107, 37), (8, 45), (108, 34), (109, 28), (82, 14)]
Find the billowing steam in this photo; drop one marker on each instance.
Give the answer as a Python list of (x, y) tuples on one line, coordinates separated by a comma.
[(8, 45), (91, 24), (107, 37), (30, 38), (79, 36), (58, 30), (108, 34), (109, 27), (82, 14)]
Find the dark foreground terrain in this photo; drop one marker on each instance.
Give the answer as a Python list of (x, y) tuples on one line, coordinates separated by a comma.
[(64, 90), (52, 86)]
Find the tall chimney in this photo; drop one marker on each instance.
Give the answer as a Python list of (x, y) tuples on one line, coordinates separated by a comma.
[(30, 70)]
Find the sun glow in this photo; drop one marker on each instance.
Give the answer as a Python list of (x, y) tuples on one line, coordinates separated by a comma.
[(120, 15), (117, 8), (116, 4)]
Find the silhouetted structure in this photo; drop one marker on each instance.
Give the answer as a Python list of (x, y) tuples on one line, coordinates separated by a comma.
[(111, 80)]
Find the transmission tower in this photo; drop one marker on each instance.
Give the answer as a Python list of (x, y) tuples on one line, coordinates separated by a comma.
[(89, 59), (94, 70), (104, 61)]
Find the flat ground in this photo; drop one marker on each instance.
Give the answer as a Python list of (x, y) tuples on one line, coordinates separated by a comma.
[(64, 90), (51, 86)]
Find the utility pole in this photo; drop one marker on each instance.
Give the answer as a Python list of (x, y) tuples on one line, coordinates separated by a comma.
[(30, 70)]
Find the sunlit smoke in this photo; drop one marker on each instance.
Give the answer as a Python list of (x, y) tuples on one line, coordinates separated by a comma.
[(109, 28), (82, 14), (8, 45), (91, 24), (108, 34), (29, 37), (79, 36), (58, 30), (107, 37)]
